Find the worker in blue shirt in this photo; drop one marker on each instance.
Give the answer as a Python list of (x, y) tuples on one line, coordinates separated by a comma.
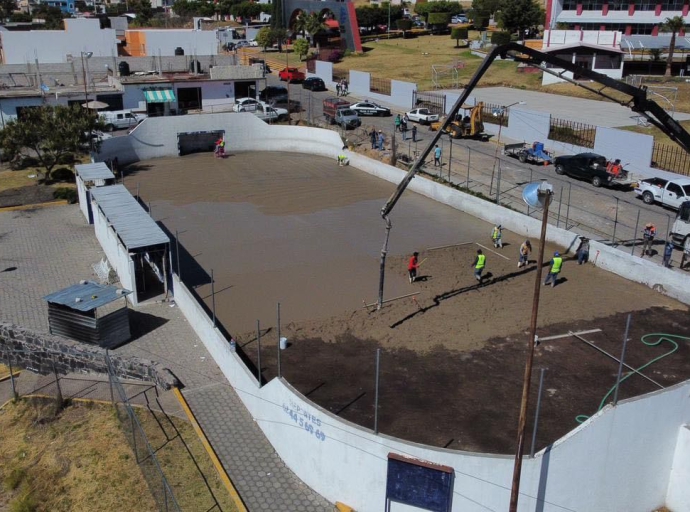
[(437, 156)]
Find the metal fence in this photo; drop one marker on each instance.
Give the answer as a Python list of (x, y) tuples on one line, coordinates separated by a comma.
[(144, 454), (435, 102), (495, 114), (572, 132), (576, 206), (671, 158), (380, 85)]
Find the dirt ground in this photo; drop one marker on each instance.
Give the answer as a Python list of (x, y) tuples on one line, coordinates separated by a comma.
[(275, 227)]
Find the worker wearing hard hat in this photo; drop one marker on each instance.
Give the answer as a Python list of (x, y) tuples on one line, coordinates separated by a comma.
[(479, 263), (556, 264), (648, 235)]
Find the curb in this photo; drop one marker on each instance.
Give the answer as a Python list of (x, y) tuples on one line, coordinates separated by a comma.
[(211, 452), (49, 204), (9, 375)]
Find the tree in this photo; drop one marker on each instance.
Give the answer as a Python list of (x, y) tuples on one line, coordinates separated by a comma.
[(143, 10), (7, 7), (520, 15), (314, 24), (458, 33), (49, 134), (279, 36), (482, 11), (300, 47), (673, 25), (438, 21), (264, 37), (53, 17), (424, 8)]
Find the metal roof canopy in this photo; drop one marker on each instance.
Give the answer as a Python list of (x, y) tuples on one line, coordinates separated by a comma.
[(133, 225), (159, 96), (92, 172), (86, 296)]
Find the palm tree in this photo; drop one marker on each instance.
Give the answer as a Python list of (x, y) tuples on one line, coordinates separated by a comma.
[(673, 25), (314, 24), (299, 25)]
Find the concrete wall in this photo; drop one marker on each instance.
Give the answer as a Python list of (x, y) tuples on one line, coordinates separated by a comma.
[(9, 106), (38, 352), (346, 462), (116, 253), (607, 38), (80, 35), (634, 149), (157, 137), (678, 488), (214, 93)]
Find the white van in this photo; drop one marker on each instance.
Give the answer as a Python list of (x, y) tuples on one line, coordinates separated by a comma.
[(121, 119)]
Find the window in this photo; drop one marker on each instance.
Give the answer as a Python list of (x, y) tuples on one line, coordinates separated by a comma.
[(686, 189), (608, 61), (570, 5), (675, 189), (673, 5), (645, 5), (618, 5)]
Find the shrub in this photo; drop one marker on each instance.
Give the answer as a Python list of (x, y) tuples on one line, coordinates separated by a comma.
[(499, 38), (66, 193), (63, 174), (404, 24), (335, 56)]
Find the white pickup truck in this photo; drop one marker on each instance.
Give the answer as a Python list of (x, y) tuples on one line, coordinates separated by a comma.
[(671, 193), (270, 114), (680, 231)]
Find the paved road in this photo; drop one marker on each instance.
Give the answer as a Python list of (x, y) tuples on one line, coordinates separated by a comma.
[(46, 249)]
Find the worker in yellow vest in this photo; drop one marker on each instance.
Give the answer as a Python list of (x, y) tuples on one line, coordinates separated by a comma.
[(479, 263), (497, 235), (556, 265)]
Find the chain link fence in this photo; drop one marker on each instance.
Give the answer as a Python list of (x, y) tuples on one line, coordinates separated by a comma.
[(576, 206), (144, 454)]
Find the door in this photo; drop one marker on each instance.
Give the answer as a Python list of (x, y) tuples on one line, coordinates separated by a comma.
[(189, 98), (673, 195)]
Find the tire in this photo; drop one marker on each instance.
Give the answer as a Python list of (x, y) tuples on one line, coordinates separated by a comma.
[(648, 198), (559, 169), (109, 127), (596, 181), (522, 157)]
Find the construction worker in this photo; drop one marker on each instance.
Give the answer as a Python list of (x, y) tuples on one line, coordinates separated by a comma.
[(342, 160), (479, 263), (412, 267), (220, 148), (497, 235), (437, 156), (648, 235), (525, 250), (614, 167), (556, 264)]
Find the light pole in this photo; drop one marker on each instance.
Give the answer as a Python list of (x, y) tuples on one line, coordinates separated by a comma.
[(388, 27), (84, 57), (500, 113), (536, 195)]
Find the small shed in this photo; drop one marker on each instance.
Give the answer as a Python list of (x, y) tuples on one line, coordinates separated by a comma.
[(74, 313), (136, 247), (88, 176)]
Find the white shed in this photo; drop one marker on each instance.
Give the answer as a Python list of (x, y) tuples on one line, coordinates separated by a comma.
[(136, 247), (89, 176)]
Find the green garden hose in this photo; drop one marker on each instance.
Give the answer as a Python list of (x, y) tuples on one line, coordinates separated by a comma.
[(659, 338)]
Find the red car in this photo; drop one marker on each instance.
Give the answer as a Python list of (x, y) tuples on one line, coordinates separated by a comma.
[(291, 75)]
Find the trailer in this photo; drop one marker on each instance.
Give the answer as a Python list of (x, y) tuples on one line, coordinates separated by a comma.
[(534, 153)]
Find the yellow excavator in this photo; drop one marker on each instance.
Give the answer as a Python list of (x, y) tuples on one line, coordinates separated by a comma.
[(468, 126)]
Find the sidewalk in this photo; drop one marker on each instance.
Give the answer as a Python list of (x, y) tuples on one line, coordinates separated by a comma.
[(30, 268)]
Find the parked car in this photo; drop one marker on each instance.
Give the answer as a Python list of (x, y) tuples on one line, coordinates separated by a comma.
[(368, 108), (586, 166), (338, 111), (670, 193), (314, 83), (459, 18), (422, 116), (274, 93), (245, 105), (291, 75), (253, 42), (120, 119), (242, 43)]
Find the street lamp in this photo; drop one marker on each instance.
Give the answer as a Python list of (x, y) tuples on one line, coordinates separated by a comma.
[(388, 27), (85, 56), (500, 112), (536, 195)]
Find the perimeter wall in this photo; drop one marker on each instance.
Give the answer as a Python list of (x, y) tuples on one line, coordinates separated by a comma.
[(628, 458)]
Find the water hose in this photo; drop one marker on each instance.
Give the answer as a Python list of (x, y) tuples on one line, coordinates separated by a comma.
[(657, 339)]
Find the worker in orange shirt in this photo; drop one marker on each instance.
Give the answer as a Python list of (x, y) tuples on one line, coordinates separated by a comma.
[(412, 267), (614, 168)]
